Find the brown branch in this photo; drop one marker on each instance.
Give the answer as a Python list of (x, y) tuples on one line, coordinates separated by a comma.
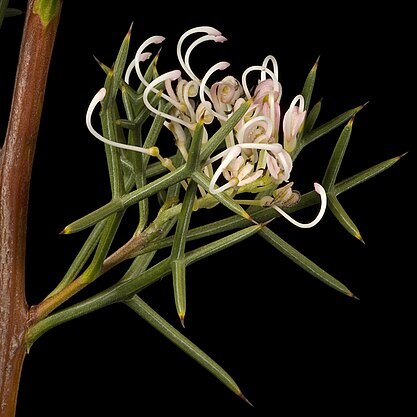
[(15, 173)]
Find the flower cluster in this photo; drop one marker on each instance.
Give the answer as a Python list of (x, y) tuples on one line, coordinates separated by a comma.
[(256, 152)]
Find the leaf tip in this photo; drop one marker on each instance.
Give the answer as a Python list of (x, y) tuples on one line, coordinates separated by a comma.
[(351, 295), (182, 319), (401, 156), (350, 122), (359, 237), (129, 32), (66, 231), (241, 396), (316, 64)]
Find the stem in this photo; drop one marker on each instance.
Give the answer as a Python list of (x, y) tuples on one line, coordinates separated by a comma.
[(15, 173)]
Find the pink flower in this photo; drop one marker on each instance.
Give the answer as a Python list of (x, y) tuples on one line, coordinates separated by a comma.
[(293, 119)]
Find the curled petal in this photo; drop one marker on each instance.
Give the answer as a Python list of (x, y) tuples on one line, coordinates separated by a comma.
[(231, 154), (258, 68), (187, 66), (153, 151), (267, 60), (139, 55), (172, 75), (322, 192), (248, 132), (200, 29), (219, 66), (143, 57)]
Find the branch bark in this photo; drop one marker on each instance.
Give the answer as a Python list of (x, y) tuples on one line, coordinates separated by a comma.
[(16, 160)]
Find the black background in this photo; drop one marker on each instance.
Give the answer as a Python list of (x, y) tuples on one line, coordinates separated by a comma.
[(293, 345)]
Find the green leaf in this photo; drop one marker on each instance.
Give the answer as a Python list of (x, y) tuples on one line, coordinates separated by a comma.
[(138, 161), (116, 74), (81, 258), (109, 115), (327, 127), (309, 85), (110, 229), (118, 204), (365, 175), (188, 347), (221, 244), (132, 93), (193, 162), (11, 12), (302, 261), (343, 218), (3, 10), (180, 288), (124, 290), (178, 247), (336, 159), (311, 119)]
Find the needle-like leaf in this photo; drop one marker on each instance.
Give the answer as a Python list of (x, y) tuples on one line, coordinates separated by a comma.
[(365, 175), (188, 347), (302, 261), (311, 119), (336, 159), (178, 247), (326, 128), (308, 88), (340, 213)]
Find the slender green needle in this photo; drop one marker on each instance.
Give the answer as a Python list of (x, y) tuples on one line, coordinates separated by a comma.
[(343, 218), (179, 340), (123, 291), (336, 159), (81, 258), (365, 175), (3, 9), (302, 261), (326, 128), (127, 200), (178, 248), (308, 88), (311, 119), (94, 269)]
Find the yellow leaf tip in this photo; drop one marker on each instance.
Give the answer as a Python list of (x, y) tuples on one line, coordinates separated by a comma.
[(182, 319), (359, 237), (66, 231)]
